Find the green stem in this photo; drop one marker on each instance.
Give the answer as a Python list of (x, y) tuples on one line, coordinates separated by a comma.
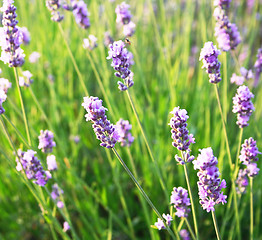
[(143, 192), (22, 106), (215, 224), (148, 146), (192, 202), (238, 152), (251, 209), (190, 229), (73, 60)]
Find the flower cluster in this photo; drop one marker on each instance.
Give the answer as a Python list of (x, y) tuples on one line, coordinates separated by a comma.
[(122, 59), (245, 75), (184, 234), (243, 105), (123, 16), (5, 84), (81, 14), (32, 167), (34, 57), (209, 56), (181, 201), (46, 141), (180, 134), (242, 181), (104, 130), (90, 42), (125, 137), (56, 195), (258, 66), (51, 162), (160, 224), (209, 184), (10, 37), (26, 80), (25, 35), (227, 33), (53, 6)]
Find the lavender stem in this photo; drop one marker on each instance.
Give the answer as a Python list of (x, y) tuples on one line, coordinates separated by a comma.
[(215, 224)]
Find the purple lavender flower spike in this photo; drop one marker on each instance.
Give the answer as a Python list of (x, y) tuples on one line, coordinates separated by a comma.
[(180, 134), (125, 137), (54, 6), (81, 13), (209, 56), (46, 141), (209, 184), (160, 224), (129, 29), (243, 105), (56, 195), (225, 4), (104, 130), (121, 62), (2, 99), (32, 167), (25, 35), (123, 15), (252, 170), (242, 181), (10, 37), (184, 234), (181, 201), (258, 66), (26, 80)]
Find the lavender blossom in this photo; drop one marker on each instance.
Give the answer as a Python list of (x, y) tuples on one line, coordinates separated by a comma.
[(56, 195), (90, 42), (54, 6), (121, 62), (66, 227), (34, 57), (2, 99), (10, 36), (5, 84), (108, 39), (224, 4), (125, 137), (180, 134), (258, 66), (32, 167), (181, 201), (26, 80), (129, 29), (123, 15), (242, 181), (209, 56), (245, 75), (209, 184), (25, 35), (243, 105), (184, 234), (81, 13), (51, 162), (46, 141), (104, 130), (160, 224)]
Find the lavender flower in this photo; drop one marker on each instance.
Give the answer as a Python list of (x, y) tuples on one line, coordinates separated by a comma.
[(243, 105), (224, 4), (54, 6), (26, 80), (108, 39), (180, 134), (258, 66), (25, 35), (125, 137), (81, 14), (129, 29), (90, 42), (10, 37), (184, 234), (56, 195), (242, 181), (34, 57), (46, 141), (121, 61), (181, 201), (5, 84), (123, 15), (32, 167), (2, 99), (209, 184), (160, 224), (245, 75), (208, 55), (51, 162), (168, 219), (104, 130), (66, 227)]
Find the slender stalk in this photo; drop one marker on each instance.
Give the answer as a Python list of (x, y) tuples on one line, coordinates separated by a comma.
[(251, 209), (190, 229), (148, 146), (215, 224), (22, 106), (238, 152), (73, 60), (192, 202), (143, 192)]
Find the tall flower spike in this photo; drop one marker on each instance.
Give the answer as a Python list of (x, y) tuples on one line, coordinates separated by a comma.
[(243, 105), (10, 37), (125, 137), (209, 56), (104, 130), (181, 201), (242, 181), (46, 141), (258, 66), (122, 59), (81, 14), (180, 134), (209, 184), (123, 15)]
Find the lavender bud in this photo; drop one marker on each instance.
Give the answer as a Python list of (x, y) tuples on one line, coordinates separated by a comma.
[(181, 201), (46, 141), (81, 14), (125, 137), (184, 234)]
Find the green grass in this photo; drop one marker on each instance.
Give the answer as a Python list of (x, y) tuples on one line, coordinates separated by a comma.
[(101, 200)]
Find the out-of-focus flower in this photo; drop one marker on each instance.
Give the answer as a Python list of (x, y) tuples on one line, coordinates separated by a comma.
[(209, 56), (184, 234), (90, 42), (46, 141), (56, 195), (66, 227), (243, 105), (2, 99), (242, 181), (54, 6), (125, 137), (258, 66), (10, 37), (51, 162), (160, 224), (81, 14), (224, 4), (123, 14), (209, 184), (26, 80), (181, 201), (129, 29), (5, 84), (245, 75), (25, 35), (32, 167), (108, 39), (34, 57), (104, 130)]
